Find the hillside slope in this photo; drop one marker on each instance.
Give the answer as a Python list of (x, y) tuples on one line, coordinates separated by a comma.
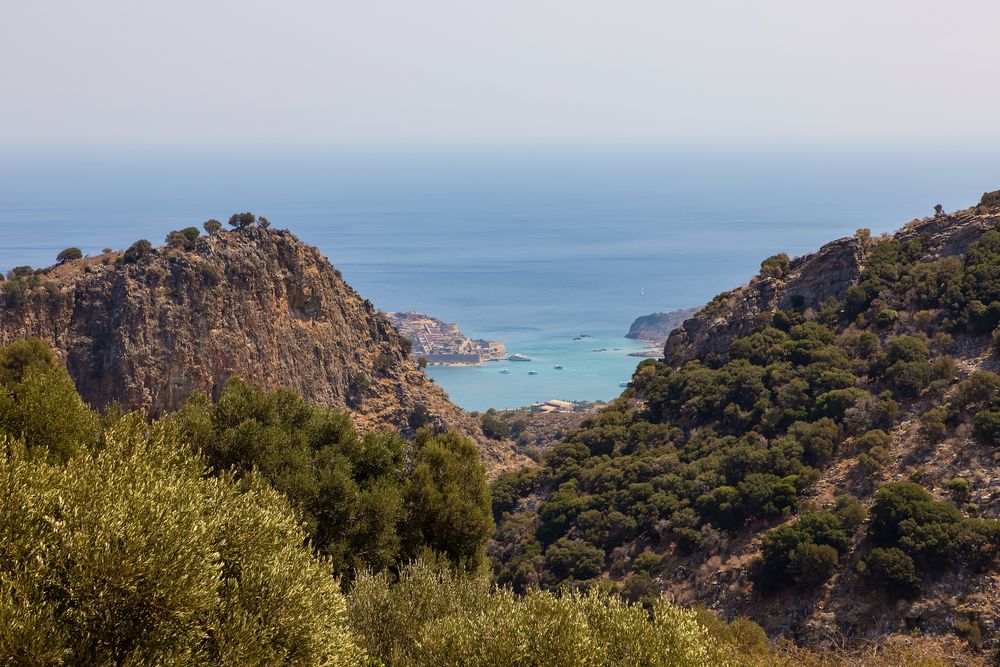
[(808, 281), (256, 304), (818, 450)]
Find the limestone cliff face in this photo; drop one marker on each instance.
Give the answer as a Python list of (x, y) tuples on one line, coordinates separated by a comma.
[(256, 304), (656, 327), (809, 281)]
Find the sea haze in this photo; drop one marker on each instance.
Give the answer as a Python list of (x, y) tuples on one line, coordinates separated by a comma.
[(534, 249)]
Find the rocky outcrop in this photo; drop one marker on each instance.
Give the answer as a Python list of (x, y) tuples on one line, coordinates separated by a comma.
[(808, 282), (656, 327), (256, 304)]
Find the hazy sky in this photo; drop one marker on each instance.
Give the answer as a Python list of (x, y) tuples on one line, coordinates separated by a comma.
[(498, 71)]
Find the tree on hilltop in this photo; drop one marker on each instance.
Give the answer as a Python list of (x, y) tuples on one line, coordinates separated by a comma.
[(212, 227), (242, 220), (137, 251), (191, 234), (69, 254), (176, 239)]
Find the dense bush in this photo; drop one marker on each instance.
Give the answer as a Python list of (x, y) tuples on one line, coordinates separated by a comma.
[(363, 504), (734, 437), (137, 251), (987, 427), (69, 254), (19, 272), (128, 554), (934, 533), (184, 238), (435, 619), (893, 569), (39, 405), (775, 266), (805, 551), (493, 426), (212, 227)]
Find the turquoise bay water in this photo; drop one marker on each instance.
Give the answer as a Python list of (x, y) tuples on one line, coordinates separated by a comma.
[(530, 248)]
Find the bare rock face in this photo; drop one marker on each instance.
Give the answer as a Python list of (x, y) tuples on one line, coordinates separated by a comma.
[(656, 327), (809, 281), (256, 304)]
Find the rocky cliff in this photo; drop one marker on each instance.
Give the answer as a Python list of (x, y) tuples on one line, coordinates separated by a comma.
[(656, 327), (256, 303), (807, 282)]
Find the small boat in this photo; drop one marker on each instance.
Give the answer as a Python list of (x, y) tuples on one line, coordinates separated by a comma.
[(642, 292), (504, 371), (558, 367), (518, 357), (532, 372), (623, 384)]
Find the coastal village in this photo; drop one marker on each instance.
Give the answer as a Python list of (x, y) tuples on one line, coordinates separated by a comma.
[(443, 343)]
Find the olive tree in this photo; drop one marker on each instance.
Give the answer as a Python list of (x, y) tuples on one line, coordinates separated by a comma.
[(69, 254)]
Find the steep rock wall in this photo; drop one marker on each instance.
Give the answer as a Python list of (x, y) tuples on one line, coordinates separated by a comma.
[(257, 304)]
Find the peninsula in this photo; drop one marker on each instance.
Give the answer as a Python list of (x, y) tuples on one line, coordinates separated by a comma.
[(654, 329), (443, 343)]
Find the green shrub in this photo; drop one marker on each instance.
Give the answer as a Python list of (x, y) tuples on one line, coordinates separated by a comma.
[(646, 561), (21, 272), (137, 251), (775, 266), (17, 357), (39, 405), (986, 427), (980, 390), (892, 569), (812, 564), (176, 239), (361, 383), (886, 318), (933, 533), (574, 559), (793, 552), (907, 349), (447, 500), (932, 424), (360, 503), (212, 227), (150, 561), (493, 426), (384, 361), (431, 618), (850, 511), (960, 488)]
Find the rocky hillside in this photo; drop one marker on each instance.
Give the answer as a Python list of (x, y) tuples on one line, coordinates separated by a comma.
[(148, 328), (808, 281), (656, 327), (818, 450)]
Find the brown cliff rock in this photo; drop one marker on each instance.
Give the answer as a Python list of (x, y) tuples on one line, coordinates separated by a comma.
[(258, 304)]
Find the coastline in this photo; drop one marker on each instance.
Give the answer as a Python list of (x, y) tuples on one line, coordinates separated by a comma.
[(651, 352)]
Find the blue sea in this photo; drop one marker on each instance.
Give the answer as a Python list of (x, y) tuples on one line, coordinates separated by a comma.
[(534, 248)]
